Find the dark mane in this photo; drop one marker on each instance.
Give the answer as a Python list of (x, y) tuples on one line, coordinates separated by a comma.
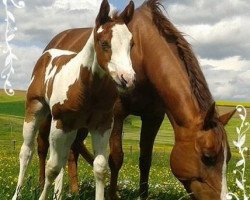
[(197, 79)]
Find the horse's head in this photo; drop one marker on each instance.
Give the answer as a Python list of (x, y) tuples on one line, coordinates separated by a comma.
[(113, 42), (200, 162)]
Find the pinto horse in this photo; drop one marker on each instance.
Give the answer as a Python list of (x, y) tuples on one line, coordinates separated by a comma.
[(79, 90), (168, 80)]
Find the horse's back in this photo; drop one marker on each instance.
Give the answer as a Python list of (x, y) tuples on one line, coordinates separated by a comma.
[(72, 39)]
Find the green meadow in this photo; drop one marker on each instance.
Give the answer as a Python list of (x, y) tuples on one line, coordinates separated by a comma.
[(163, 184)]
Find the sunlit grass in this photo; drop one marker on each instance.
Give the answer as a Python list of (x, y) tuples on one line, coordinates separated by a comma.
[(163, 184)]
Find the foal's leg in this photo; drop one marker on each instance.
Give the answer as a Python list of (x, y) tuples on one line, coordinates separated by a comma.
[(72, 170), (60, 143), (81, 148), (33, 116), (116, 156), (149, 129), (42, 147), (78, 148), (58, 185), (100, 142)]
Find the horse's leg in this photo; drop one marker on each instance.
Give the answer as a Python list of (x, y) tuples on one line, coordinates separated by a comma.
[(72, 169), (60, 143), (149, 129), (116, 155), (81, 148), (78, 148), (58, 185), (42, 147), (100, 142), (33, 117)]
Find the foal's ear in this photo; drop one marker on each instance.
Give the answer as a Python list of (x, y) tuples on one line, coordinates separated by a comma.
[(128, 12), (224, 119), (103, 15)]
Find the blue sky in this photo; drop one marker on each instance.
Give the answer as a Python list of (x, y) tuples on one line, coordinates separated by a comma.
[(217, 30), (118, 4)]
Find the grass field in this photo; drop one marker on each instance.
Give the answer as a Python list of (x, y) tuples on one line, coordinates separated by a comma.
[(163, 185)]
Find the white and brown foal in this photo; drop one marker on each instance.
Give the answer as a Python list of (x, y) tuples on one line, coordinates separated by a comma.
[(79, 90)]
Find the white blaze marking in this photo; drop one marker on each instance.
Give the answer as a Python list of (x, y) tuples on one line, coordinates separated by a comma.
[(224, 190), (100, 30), (120, 62)]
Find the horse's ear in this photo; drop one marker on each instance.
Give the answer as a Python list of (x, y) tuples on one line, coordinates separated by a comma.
[(209, 117), (103, 15), (224, 119), (128, 12)]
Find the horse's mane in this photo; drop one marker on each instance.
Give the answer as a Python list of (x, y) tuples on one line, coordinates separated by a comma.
[(196, 77)]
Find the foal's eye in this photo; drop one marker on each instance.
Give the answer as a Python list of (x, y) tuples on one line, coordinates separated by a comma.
[(105, 45)]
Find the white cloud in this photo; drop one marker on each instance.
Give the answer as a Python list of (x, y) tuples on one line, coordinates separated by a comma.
[(206, 12), (218, 32), (228, 84), (234, 63), (27, 57), (40, 24), (76, 4)]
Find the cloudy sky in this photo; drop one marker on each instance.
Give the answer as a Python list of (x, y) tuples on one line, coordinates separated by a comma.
[(219, 32)]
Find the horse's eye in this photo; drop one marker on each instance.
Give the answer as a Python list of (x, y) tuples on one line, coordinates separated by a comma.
[(105, 45), (132, 44), (209, 160)]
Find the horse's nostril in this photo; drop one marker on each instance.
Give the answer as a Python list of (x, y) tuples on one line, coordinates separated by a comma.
[(123, 81)]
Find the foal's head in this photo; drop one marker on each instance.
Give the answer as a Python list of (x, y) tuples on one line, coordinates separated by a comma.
[(200, 162), (113, 42)]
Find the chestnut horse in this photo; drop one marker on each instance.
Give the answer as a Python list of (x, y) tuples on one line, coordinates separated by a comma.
[(79, 90), (168, 80)]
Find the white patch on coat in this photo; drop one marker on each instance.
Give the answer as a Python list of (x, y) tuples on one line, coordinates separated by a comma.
[(70, 72), (120, 63), (67, 76), (58, 52), (50, 73), (224, 189), (54, 53)]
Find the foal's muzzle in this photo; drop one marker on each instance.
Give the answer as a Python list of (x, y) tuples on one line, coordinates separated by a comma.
[(127, 80)]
